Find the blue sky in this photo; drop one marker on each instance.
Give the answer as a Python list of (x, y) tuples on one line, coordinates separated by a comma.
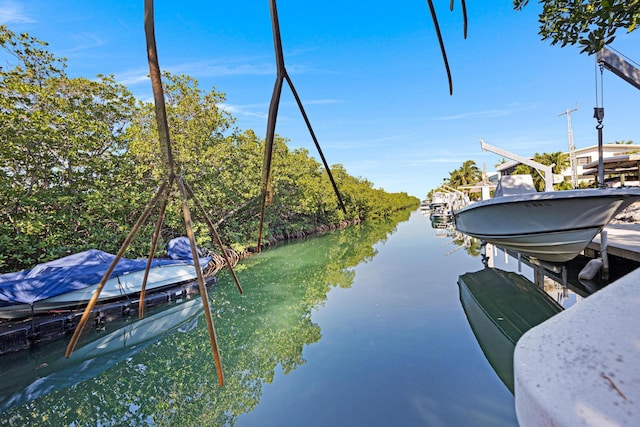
[(369, 73)]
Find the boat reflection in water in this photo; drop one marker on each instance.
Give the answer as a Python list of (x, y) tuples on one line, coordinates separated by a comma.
[(500, 307), (447, 229), (29, 376)]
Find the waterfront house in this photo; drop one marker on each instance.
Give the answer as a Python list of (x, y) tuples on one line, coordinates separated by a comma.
[(622, 162)]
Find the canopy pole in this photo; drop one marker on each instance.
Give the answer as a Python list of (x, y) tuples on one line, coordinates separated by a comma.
[(598, 114), (281, 75), (152, 252), (165, 188), (94, 298)]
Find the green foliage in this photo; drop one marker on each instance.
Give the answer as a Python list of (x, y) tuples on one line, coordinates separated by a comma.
[(61, 152), (590, 23), (80, 159), (560, 162), (467, 174)]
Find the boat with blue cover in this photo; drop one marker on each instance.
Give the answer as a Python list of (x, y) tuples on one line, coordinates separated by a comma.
[(68, 283)]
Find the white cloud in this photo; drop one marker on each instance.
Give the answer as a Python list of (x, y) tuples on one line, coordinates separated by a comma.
[(12, 12), (476, 115), (213, 69), (322, 102), (85, 41), (133, 77), (253, 110)]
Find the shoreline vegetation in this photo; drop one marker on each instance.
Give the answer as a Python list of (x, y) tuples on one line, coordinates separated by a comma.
[(80, 159), (218, 262)]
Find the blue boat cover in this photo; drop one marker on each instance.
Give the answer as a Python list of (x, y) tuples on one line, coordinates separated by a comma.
[(77, 271), (180, 248)]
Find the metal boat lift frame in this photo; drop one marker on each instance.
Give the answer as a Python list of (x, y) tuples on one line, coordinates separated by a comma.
[(546, 170)]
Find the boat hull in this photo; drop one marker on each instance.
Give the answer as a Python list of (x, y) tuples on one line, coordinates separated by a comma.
[(551, 226), (123, 286)]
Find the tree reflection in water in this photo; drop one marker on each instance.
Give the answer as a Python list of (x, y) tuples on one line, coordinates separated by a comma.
[(173, 381)]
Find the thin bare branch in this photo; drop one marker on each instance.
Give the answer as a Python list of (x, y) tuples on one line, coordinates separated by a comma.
[(315, 141), (440, 41), (214, 233), (156, 85)]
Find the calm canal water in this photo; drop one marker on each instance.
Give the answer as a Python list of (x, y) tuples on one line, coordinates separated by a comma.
[(362, 326)]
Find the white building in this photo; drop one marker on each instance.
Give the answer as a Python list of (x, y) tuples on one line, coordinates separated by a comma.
[(618, 159), (621, 164)]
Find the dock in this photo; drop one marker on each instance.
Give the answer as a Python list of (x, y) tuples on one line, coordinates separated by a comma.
[(623, 241), (582, 366)]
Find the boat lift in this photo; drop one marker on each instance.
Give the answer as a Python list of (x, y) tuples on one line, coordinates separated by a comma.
[(619, 66), (547, 171), (622, 68)]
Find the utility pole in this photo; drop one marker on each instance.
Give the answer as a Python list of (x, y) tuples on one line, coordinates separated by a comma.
[(572, 148)]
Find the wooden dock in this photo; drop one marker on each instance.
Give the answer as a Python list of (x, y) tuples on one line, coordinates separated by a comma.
[(623, 241)]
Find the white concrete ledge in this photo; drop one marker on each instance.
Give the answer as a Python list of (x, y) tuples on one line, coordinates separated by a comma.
[(624, 241), (582, 366)]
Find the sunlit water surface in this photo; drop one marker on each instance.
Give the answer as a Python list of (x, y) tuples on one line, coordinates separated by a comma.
[(362, 326)]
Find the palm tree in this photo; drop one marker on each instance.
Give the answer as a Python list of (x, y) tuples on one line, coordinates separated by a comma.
[(501, 162), (466, 174), (559, 160), (470, 172)]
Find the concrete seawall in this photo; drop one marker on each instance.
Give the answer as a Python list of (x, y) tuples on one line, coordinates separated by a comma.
[(582, 366)]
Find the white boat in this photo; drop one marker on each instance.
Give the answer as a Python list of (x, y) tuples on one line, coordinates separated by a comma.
[(439, 207), (552, 226), (69, 283)]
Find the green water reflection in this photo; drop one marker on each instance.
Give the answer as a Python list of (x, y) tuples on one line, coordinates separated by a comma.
[(361, 326)]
